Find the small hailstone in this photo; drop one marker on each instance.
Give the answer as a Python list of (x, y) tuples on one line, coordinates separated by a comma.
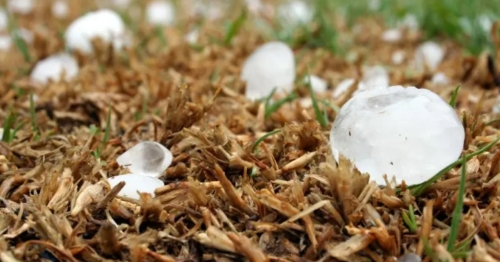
[(440, 79), (410, 257), (5, 42), (392, 35), (192, 37), (270, 66), (408, 133), (104, 24), (148, 158), (134, 183), (485, 22), (20, 6), (4, 19), (374, 5), (496, 106), (160, 13), (295, 12), (318, 85), (429, 53), (398, 57), (60, 9), (52, 67), (409, 21), (374, 76), (342, 87)]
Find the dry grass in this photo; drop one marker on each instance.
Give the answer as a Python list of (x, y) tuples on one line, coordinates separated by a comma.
[(286, 200)]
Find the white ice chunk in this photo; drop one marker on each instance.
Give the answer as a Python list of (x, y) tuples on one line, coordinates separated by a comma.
[(440, 78), (374, 76), (160, 13), (430, 54), (398, 57), (342, 87), (134, 183), (392, 35), (318, 85), (270, 66), (60, 9), (4, 19), (409, 21), (20, 6), (53, 67), (104, 24), (485, 22), (5, 42), (406, 132), (295, 12), (148, 158), (192, 37), (374, 5)]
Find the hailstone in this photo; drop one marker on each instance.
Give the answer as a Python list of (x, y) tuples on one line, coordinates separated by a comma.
[(392, 35), (295, 12), (318, 85), (270, 66), (4, 19), (408, 133), (52, 67), (160, 13), (430, 54), (440, 78), (20, 6), (135, 183), (60, 9), (103, 23), (147, 158)]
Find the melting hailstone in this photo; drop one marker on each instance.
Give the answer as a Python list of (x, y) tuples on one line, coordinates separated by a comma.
[(430, 54), (160, 13), (408, 133), (270, 66), (148, 158), (318, 85), (373, 76), (134, 183), (295, 12), (52, 68), (104, 24), (60, 9)]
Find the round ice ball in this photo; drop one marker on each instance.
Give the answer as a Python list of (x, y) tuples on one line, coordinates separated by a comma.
[(408, 133), (52, 67)]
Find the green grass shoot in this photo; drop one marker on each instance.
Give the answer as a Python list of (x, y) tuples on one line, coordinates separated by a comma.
[(417, 190), (234, 27), (108, 128), (271, 108), (457, 212), (453, 100), (160, 34), (320, 116), (262, 138), (19, 41), (34, 125), (410, 219), (8, 127)]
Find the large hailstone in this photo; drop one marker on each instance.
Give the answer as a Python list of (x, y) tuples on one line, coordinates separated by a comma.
[(270, 66), (104, 24), (52, 68), (135, 183), (408, 133), (160, 13), (147, 158)]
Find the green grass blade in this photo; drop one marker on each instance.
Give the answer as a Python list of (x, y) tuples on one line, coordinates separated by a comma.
[(322, 118), (161, 35), (8, 125), (234, 27), (34, 125), (19, 42), (262, 138), (453, 100), (275, 106), (457, 212), (108, 128), (417, 190)]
